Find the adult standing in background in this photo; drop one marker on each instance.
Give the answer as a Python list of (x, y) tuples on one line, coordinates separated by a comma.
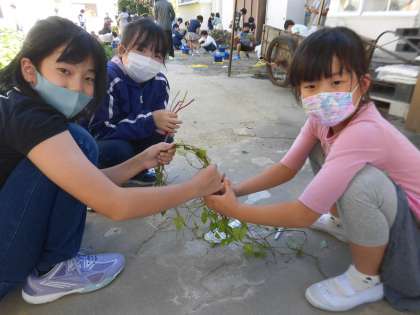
[(82, 19), (165, 15), (123, 19), (308, 5), (217, 22)]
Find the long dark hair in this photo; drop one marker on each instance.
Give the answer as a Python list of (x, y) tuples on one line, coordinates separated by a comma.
[(145, 33), (314, 56), (45, 37)]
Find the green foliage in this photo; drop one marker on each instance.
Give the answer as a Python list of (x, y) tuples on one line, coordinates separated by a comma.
[(139, 7), (109, 52), (10, 44), (211, 220), (221, 37)]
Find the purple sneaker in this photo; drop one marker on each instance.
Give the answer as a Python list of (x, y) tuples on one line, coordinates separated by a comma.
[(82, 274)]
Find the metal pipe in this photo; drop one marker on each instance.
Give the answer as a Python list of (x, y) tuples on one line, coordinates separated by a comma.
[(232, 38), (321, 9)]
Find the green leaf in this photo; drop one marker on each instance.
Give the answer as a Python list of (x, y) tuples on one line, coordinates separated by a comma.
[(179, 222), (204, 216), (248, 249)]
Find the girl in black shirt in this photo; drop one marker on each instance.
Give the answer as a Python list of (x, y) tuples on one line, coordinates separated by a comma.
[(48, 173)]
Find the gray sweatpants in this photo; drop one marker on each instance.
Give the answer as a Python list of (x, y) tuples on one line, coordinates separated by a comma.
[(368, 206)]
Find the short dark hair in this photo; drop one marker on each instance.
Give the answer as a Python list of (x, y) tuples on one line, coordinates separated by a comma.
[(124, 9), (180, 20), (82, 11), (218, 14), (244, 11), (200, 18), (251, 19), (212, 14), (143, 33), (313, 58), (42, 40), (288, 23), (204, 33)]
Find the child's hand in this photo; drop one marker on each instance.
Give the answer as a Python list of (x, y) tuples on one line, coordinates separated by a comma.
[(166, 121), (208, 181), (158, 154), (225, 204)]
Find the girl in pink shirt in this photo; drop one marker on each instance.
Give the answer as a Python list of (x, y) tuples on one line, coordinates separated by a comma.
[(367, 173)]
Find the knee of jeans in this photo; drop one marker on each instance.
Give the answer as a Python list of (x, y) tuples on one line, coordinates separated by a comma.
[(85, 141)]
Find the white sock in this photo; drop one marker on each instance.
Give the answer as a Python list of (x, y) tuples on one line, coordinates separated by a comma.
[(359, 281)]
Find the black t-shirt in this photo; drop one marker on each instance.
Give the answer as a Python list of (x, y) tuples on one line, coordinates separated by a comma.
[(24, 123)]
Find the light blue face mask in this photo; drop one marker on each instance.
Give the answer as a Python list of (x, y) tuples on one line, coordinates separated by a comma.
[(66, 101)]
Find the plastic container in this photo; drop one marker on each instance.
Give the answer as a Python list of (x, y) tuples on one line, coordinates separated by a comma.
[(185, 50), (226, 55), (218, 57), (222, 49)]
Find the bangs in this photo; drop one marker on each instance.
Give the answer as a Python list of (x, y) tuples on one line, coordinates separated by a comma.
[(145, 33), (78, 49), (314, 57), (152, 39)]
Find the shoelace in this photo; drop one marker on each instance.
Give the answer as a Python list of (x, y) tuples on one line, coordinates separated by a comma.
[(84, 262)]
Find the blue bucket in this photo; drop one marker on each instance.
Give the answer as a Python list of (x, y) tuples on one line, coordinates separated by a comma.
[(218, 58), (222, 49)]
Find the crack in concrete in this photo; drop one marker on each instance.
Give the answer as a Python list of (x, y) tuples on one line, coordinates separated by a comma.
[(248, 293), (158, 228)]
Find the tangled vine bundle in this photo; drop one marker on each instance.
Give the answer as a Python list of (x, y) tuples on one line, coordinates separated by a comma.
[(195, 214)]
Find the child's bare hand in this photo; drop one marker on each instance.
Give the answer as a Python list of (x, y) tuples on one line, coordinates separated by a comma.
[(158, 154), (208, 181), (166, 121), (225, 204)]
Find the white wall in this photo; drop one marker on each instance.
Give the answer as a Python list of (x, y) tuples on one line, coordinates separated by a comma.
[(372, 25), (278, 11), (28, 12), (227, 13)]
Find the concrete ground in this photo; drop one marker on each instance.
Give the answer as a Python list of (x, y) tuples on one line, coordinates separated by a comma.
[(245, 124)]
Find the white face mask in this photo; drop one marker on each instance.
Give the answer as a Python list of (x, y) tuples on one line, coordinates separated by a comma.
[(141, 68)]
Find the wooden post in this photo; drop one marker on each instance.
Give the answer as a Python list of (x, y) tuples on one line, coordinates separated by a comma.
[(321, 9), (232, 38), (412, 122)]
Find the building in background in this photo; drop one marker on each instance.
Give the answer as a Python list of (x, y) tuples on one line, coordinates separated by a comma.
[(23, 14), (371, 17)]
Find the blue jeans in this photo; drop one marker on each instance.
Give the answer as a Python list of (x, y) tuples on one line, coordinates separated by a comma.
[(40, 225), (115, 151)]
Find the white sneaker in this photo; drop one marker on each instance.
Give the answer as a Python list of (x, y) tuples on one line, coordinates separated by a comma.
[(337, 294), (332, 225)]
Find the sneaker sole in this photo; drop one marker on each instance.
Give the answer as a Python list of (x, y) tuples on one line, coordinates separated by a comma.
[(52, 297)]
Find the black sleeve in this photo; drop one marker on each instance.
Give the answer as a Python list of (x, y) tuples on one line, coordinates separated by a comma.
[(30, 125)]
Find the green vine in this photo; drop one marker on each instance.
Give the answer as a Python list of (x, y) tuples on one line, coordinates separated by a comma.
[(198, 218)]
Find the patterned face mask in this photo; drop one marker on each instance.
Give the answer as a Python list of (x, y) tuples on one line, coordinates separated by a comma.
[(330, 108)]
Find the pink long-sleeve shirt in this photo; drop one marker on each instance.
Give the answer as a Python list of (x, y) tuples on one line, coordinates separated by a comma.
[(367, 139)]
